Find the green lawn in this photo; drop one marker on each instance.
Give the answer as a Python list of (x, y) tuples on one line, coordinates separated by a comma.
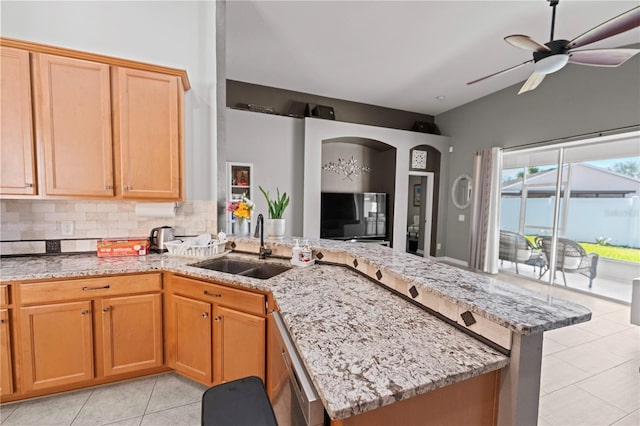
[(612, 252)]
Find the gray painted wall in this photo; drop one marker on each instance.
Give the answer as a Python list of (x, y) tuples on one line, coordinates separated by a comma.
[(574, 101), (174, 34), (275, 146)]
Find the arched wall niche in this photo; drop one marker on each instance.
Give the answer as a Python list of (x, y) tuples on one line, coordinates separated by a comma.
[(380, 159), (319, 133)]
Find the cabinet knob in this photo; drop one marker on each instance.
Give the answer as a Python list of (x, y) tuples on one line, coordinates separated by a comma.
[(218, 318), (205, 314), (105, 309), (1, 321), (85, 312)]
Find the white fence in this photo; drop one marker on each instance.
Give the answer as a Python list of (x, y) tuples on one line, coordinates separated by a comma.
[(587, 218)]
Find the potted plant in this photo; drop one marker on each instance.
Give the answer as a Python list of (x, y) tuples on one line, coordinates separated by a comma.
[(275, 224)]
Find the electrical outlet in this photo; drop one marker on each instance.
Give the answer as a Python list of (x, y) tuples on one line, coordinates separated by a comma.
[(438, 246), (66, 228), (460, 218)]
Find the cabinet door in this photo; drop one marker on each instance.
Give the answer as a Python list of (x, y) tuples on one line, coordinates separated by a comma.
[(73, 124), (239, 345), (147, 110), (190, 338), (6, 371), (17, 171), (57, 344), (131, 333)]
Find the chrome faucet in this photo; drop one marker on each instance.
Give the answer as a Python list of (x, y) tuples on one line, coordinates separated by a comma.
[(264, 252)]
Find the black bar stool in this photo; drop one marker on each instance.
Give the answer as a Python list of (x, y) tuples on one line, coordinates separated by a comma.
[(242, 402)]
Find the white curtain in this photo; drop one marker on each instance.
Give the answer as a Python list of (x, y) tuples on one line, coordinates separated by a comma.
[(485, 211)]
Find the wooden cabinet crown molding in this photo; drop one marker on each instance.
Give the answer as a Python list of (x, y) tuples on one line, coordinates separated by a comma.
[(77, 54)]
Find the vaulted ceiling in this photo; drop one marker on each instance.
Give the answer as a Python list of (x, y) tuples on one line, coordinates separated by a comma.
[(409, 55)]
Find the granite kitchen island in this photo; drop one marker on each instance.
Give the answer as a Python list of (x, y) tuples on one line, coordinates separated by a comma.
[(373, 326)]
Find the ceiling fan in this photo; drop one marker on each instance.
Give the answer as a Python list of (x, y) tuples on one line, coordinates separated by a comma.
[(554, 55)]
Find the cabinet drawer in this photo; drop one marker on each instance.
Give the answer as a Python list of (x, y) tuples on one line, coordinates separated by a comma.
[(4, 295), (86, 288), (219, 294)]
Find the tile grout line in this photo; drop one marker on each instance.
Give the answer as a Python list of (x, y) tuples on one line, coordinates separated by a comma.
[(83, 405), (146, 407)]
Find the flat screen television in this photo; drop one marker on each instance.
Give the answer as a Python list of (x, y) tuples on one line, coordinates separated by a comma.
[(353, 215)]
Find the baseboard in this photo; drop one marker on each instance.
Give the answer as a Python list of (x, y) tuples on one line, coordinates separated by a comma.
[(452, 260)]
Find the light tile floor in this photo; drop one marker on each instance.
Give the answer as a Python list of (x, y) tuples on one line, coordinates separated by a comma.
[(590, 376), (166, 399), (590, 371)]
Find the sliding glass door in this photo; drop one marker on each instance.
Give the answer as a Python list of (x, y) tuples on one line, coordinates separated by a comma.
[(569, 210)]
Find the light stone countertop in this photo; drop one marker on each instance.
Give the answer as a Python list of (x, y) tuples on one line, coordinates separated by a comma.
[(363, 346)]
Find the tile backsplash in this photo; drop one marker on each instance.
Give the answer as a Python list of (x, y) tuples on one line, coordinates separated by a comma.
[(26, 225)]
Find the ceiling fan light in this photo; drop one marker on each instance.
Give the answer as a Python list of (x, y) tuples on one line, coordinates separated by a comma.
[(551, 63)]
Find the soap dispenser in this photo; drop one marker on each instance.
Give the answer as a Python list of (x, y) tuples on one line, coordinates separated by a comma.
[(296, 252)]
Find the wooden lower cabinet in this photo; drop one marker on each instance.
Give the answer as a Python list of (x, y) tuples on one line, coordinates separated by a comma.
[(215, 340), (239, 345), (6, 371), (57, 344), (130, 331), (88, 331), (470, 402), (191, 338)]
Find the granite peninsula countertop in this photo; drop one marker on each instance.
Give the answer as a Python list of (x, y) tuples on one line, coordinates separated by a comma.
[(362, 346)]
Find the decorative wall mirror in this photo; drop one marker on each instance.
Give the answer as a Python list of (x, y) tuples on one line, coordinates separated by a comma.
[(461, 191)]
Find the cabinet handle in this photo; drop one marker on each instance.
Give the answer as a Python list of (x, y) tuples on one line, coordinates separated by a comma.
[(205, 314), (105, 309), (84, 312), (108, 187), (96, 288), (28, 185), (218, 318), (206, 293), (126, 187)]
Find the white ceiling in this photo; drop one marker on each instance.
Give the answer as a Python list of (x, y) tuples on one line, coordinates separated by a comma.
[(400, 54)]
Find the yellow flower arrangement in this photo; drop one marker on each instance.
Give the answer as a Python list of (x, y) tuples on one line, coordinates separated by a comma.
[(241, 208)]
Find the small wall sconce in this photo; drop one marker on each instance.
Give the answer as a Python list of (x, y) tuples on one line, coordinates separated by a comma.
[(347, 168)]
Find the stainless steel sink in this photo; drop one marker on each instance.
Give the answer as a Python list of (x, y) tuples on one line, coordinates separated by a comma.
[(245, 268)]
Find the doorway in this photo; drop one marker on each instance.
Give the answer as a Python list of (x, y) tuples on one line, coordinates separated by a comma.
[(419, 213)]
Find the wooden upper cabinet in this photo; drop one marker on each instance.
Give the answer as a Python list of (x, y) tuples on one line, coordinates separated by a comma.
[(17, 171), (73, 125), (148, 133)]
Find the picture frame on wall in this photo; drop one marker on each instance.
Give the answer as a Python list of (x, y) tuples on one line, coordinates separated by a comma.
[(417, 194)]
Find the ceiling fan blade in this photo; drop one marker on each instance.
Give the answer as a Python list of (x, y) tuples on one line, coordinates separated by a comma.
[(525, 42), (500, 72), (602, 57), (532, 82), (621, 23)]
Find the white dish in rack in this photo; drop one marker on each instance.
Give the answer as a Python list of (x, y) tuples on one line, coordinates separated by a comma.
[(187, 248)]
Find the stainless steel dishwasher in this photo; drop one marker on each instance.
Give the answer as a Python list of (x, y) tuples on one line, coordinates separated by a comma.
[(294, 399)]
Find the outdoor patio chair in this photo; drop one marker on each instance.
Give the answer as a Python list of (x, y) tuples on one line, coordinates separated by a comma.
[(516, 248), (570, 257)]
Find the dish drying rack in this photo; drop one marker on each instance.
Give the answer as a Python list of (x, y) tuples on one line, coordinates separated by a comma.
[(188, 248)]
